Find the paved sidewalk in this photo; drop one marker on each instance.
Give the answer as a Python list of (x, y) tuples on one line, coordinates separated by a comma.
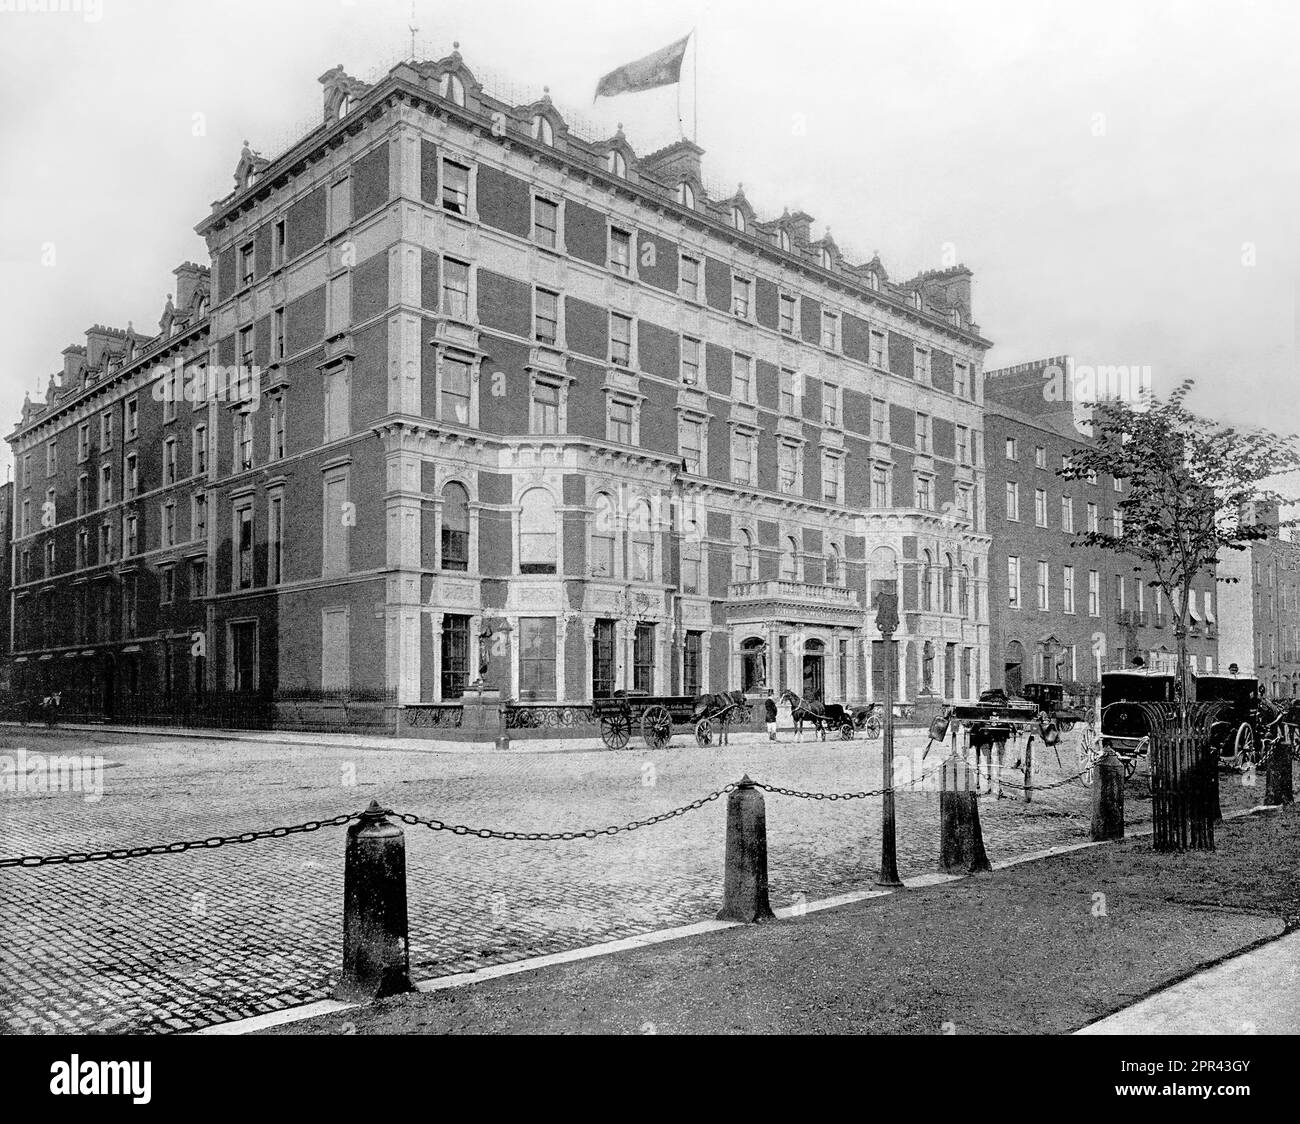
[(1257, 992), (1040, 947)]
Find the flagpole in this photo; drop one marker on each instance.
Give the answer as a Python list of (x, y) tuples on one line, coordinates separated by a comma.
[(695, 89)]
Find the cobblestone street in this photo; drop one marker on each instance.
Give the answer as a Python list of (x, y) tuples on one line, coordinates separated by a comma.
[(177, 942)]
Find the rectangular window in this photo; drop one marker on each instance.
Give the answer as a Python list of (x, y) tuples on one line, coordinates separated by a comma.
[(922, 433), (338, 406), (454, 394), (455, 289), (132, 419), (52, 459), (620, 421), (243, 440), (1013, 581), (83, 442), (130, 605), (830, 405), (879, 419), (830, 478), (690, 439), (960, 380), (602, 659), (1093, 523), (1040, 507), (83, 548), (199, 516), (876, 350), (690, 278), (690, 361), (620, 251), (278, 242), (546, 315), (602, 544), (277, 333), (198, 578), (336, 509), (105, 485), (789, 393), (924, 493), (167, 585), (169, 461), (1067, 514), (785, 314), (275, 540), (963, 445), (1011, 448), (244, 268), (830, 331), (105, 433), (335, 640), (276, 428), (1044, 576), (1094, 593), (620, 339), (169, 524), (879, 487), (740, 289), (536, 658), (244, 547), (742, 458), (455, 188), (692, 663), (742, 378), (643, 657), (1013, 500), (1117, 523), (546, 408), (340, 205), (787, 467), (546, 222), (921, 364), (83, 500), (455, 655)]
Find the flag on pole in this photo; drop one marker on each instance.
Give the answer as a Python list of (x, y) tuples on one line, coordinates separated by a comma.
[(662, 68)]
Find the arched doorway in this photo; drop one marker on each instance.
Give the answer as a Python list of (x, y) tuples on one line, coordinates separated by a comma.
[(814, 670), (1013, 663)]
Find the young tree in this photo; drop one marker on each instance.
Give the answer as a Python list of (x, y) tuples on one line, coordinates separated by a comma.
[(1190, 486)]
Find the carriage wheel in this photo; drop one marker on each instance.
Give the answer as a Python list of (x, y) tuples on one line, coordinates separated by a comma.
[(703, 732), (656, 726), (1245, 748), (1130, 767), (1086, 753), (846, 731), (873, 725), (615, 730)]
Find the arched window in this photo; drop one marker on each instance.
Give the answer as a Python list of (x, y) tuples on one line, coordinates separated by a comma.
[(790, 560), (742, 567), (954, 316), (345, 107), (604, 537), (691, 558), (616, 162), (686, 195), (537, 532), (738, 218), (967, 605), (916, 299), (827, 259), (753, 664), (927, 589), (949, 572), (455, 527), (452, 88), (784, 240), (641, 544), (201, 310), (833, 565), (873, 280), (542, 129)]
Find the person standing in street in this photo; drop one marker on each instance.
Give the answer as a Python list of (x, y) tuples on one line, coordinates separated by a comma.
[(769, 707)]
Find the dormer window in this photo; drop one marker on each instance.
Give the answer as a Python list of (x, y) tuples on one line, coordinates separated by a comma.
[(686, 195), (201, 310), (873, 280), (916, 300), (345, 107), (616, 163), (826, 258), (954, 317), (738, 218), (543, 130), (452, 88), (251, 178), (783, 240)]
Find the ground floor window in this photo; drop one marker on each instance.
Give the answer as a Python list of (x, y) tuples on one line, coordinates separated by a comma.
[(643, 658), (691, 663), (455, 656), (602, 660), (753, 664), (782, 649), (843, 671), (243, 655), (536, 658)]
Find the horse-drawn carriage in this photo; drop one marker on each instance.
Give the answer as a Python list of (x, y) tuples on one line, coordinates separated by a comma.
[(991, 722), (1238, 728), (709, 716), (1050, 699), (846, 720)]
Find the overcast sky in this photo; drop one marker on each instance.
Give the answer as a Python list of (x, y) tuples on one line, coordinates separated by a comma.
[(1121, 177)]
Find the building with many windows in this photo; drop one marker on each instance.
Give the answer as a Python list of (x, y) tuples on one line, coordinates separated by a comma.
[(1062, 612), (1261, 608), (530, 408)]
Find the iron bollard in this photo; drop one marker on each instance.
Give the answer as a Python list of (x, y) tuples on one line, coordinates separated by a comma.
[(744, 886), (1278, 786), (961, 843), (376, 952), (1108, 797)]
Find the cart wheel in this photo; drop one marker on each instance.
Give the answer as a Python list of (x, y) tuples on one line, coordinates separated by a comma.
[(615, 730), (1245, 748), (656, 726), (1130, 767), (703, 732), (873, 725), (1086, 755), (846, 731)]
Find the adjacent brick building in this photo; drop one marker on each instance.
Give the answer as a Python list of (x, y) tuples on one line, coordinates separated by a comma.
[(530, 406), (1060, 612), (1261, 609)]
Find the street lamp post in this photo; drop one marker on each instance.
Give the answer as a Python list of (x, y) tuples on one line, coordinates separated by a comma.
[(887, 622)]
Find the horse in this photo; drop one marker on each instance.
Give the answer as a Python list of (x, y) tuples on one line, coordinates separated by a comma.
[(802, 711), (717, 705)]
